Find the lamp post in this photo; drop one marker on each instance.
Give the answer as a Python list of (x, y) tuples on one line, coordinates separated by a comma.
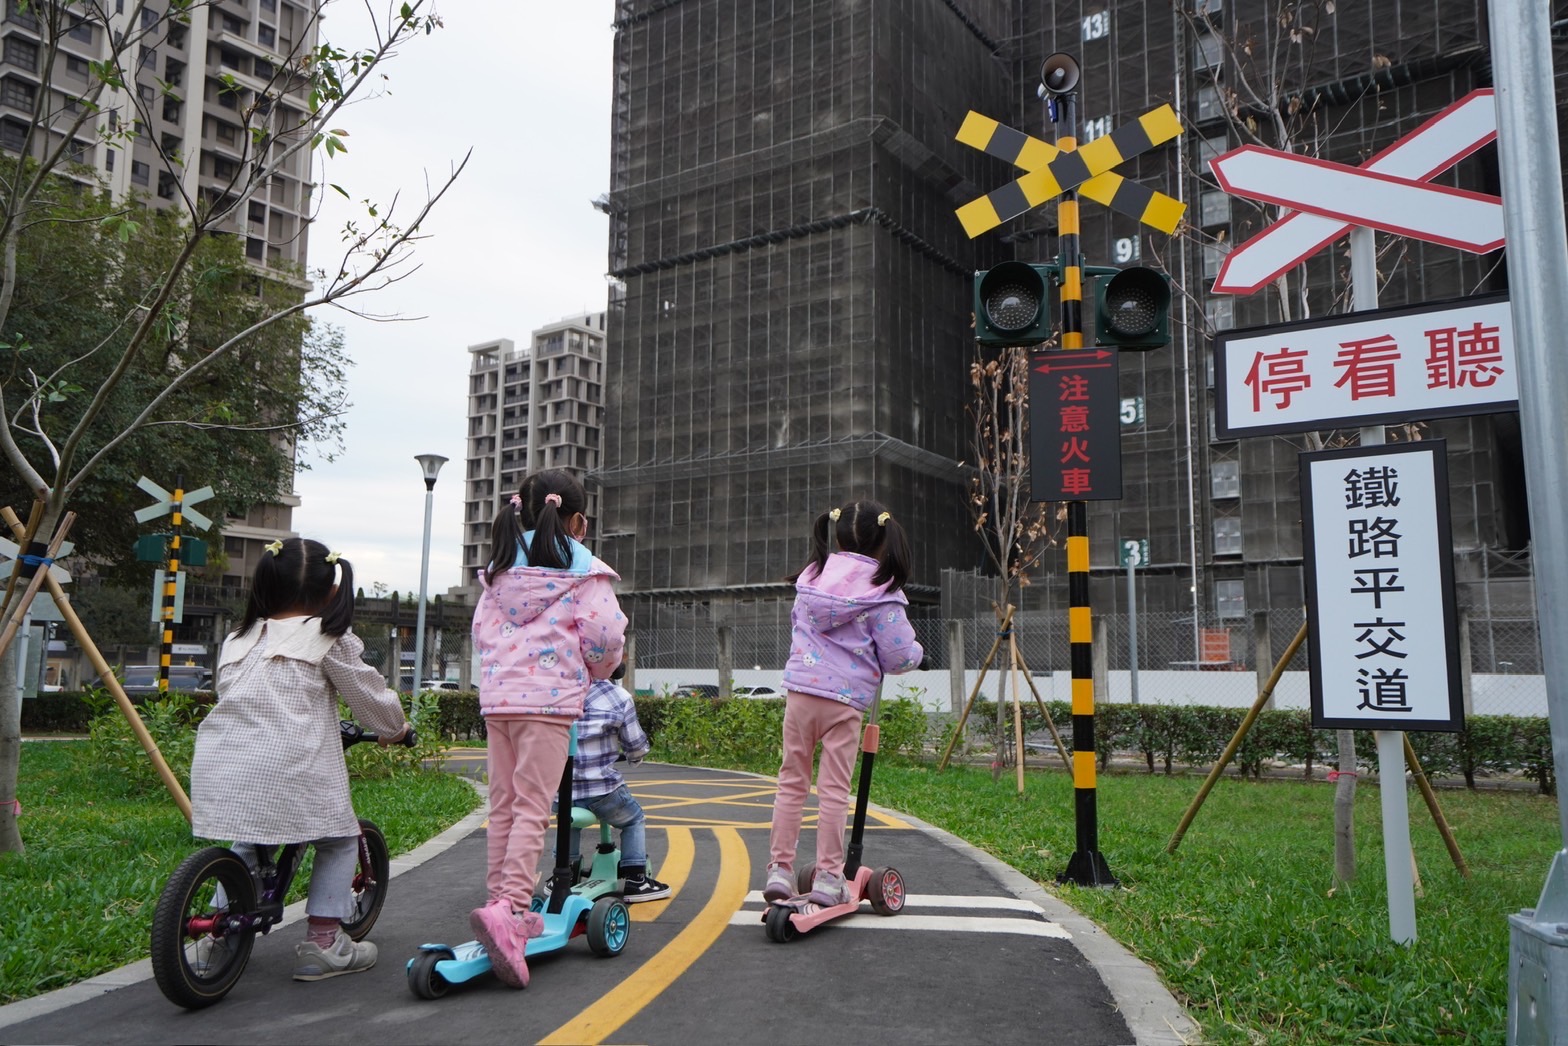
[(431, 465)]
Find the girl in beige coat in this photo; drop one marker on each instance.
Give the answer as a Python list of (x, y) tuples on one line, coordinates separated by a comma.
[(269, 767)]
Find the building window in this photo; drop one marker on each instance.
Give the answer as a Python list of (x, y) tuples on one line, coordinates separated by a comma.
[(18, 94), (233, 25), (82, 31), (1230, 600), (1214, 208), (223, 168), (146, 92), (1208, 53), (75, 151), (21, 53), (77, 67), (27, 19), (147, 57), (1225, 479), (266, 36), (255, 249), (227, 132), (149, 17), (1211, 104), (1227, 536), (13, 135), (141, 174), (108, 159), (1213, 255), (1221, 311), (263, 69)]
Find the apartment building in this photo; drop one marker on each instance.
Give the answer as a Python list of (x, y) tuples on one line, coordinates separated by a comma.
[(539, 407)]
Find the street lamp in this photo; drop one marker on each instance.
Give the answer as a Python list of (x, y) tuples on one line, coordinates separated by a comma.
[(431, 465)]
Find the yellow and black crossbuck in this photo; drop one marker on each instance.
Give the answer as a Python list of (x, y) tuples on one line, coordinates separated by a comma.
[(1051, 171)]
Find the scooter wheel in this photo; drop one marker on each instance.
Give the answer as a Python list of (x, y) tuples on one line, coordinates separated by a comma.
[(803, 876), (423, 978), (780, 929), (609, 924), (886, 891)]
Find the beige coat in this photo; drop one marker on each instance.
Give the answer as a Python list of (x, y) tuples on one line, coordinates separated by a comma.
[(269, 762)]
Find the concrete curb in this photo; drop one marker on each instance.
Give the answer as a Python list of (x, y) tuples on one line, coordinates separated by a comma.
[(139, 971)]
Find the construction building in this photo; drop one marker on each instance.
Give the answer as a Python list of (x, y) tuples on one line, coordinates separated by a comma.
[(795, 327)]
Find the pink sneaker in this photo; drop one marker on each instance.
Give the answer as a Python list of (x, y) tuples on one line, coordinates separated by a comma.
[(505, 936)]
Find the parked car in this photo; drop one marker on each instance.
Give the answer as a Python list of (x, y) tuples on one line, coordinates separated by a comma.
[(755, 691), (143, 679), (439, 684), (696, 690)]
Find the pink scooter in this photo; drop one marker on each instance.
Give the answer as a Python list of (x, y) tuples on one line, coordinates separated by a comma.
[(883, 887)]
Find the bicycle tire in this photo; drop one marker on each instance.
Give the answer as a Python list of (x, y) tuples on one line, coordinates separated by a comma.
[(195, 971), (370, 883)]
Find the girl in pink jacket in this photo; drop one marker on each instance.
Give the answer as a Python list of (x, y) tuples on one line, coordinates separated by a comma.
[(546, 625), (849, 627)]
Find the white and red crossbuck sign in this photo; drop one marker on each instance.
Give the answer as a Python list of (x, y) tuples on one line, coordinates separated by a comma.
[(1391, 192)]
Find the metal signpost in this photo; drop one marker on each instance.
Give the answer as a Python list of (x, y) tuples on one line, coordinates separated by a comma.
[(176, 505)]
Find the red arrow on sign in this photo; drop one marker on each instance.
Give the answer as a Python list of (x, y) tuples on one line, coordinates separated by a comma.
[(1054, 361), (1430, 149)]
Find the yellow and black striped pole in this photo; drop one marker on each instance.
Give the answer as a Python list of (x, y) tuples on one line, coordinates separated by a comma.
[(170, 586), (1087, 866)]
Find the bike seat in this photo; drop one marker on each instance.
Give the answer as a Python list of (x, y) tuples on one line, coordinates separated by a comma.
[(583, 818)]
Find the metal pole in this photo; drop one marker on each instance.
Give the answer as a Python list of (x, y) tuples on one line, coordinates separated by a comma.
[(424, 575), (1132, 624), (171, 584), (1533, 220)]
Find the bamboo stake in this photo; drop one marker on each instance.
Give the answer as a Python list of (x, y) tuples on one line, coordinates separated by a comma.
[(1046, 712), (33, 519), (1235, 742), (985, 666), (34, 583), (1437, 814), (79, 630), (1018, 711)]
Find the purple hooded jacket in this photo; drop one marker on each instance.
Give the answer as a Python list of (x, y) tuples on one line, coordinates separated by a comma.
[(845, 632)]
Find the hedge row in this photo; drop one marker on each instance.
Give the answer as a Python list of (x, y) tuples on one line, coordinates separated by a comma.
[(1165, 735), (1196, 735)]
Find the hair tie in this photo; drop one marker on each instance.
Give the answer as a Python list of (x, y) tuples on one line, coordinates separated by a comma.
[(333, 557), (553, 499), (516, 501), (883, 518), (834, 513), (274, 547)]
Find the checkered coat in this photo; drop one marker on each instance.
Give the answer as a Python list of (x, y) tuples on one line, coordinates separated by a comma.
[(269, 761)]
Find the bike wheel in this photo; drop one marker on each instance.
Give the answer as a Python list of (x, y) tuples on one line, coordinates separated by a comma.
[(195, 959), (370, 882)]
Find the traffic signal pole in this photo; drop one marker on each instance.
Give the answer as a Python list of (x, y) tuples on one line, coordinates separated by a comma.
[(1087, 866), (171, 582)]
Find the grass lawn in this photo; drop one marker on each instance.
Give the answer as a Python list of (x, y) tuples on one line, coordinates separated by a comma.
[(1244, 922), (79, 901)]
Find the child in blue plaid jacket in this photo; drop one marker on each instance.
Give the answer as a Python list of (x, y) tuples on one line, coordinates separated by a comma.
[(607, 730)]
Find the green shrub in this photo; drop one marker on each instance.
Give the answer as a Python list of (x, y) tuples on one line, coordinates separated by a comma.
[(903, 728), (424, 712), (171, 721)]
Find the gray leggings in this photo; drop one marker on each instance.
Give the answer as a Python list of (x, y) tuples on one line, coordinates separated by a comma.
[(331, 894)]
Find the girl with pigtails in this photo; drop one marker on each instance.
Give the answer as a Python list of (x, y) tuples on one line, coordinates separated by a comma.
[(546, 625), (848, 628)]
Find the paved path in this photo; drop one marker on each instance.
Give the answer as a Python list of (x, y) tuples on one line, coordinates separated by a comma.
[(980, 954)]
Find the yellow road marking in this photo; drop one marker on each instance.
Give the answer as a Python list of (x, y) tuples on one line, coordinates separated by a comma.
[(605, 1015), (673, 873)]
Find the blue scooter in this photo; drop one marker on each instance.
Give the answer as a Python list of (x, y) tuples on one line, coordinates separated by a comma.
[(592, 907)]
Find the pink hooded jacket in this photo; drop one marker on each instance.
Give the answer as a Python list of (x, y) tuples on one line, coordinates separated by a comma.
[(845, 633), (542, 634)]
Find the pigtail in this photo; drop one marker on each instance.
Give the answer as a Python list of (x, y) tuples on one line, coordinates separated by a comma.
[(819, 549), (505, 535), (337, 617), (893, 557), (552, 546)]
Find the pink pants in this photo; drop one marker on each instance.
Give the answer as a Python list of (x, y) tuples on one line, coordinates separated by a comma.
[(808, 720), (527, 755)]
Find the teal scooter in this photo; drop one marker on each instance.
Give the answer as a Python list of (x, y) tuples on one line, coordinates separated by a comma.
[(588, 905)]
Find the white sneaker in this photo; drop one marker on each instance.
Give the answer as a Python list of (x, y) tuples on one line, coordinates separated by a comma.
[(345, 956)]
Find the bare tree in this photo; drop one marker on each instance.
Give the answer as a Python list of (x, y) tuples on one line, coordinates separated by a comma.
[(52, 437)]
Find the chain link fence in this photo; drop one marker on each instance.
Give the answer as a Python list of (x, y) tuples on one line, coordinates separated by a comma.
[(1180, 660)]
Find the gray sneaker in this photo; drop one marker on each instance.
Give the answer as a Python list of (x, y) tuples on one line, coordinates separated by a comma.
[(345, 956)]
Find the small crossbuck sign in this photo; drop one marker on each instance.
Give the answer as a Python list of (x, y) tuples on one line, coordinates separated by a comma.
[(1052, 171)]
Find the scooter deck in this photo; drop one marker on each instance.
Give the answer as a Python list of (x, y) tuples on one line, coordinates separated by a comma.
[(469, 960), (809, 915)]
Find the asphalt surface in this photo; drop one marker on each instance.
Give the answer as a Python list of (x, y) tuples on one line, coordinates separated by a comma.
[(979, 954)]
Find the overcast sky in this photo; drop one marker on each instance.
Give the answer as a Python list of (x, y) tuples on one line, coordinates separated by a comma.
[(516, 244)]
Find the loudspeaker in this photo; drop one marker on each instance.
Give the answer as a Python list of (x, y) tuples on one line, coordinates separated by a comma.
[(1059, 74)]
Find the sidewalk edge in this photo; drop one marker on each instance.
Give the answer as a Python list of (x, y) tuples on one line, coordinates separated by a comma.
[(141, 970)]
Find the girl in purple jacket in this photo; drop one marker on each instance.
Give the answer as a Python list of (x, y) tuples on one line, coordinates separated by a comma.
[(849, 627), (546, 624)]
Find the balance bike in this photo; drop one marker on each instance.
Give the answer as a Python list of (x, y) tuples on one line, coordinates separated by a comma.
[(591, 908), (883, 887)]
